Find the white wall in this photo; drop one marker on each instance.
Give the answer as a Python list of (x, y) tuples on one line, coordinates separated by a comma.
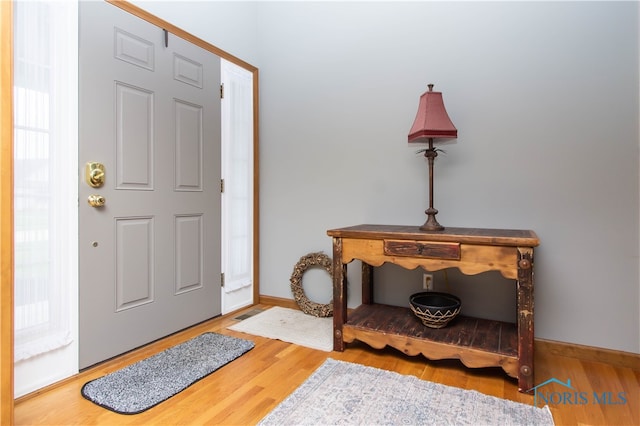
[(545, 99)]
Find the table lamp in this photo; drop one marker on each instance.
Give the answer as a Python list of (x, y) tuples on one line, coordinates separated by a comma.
[(432, 122)]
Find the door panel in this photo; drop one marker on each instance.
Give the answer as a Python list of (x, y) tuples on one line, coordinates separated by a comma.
[(134, 137), (150, 257), (188, 119), (134, 262), (189, 256)]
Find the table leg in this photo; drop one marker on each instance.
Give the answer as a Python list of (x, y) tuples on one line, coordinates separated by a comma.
[(525, 319), (367, 284), (339, 295)]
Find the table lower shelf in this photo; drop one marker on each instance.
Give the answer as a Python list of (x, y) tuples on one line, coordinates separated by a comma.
[(476, 342)]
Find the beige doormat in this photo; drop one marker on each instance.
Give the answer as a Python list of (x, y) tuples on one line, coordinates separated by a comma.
[(290, 325)]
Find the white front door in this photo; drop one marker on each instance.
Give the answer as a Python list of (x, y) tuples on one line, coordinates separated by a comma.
[(150, 113)]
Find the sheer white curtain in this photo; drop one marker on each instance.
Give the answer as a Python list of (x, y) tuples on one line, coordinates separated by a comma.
[(45, 159), (237, 170)]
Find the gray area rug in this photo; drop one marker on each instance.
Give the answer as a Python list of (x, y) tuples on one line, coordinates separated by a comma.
[(146, 383), (342, 393)]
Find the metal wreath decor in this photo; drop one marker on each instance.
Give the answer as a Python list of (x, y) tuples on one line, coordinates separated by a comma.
[(306, 305)]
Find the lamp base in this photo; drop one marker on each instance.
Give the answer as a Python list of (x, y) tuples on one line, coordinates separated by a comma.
[(431, 224)]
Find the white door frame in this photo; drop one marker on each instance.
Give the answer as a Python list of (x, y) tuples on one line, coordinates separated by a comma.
[(237, 187)]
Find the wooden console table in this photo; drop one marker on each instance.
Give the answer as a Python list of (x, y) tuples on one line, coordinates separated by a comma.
[(476, 342)]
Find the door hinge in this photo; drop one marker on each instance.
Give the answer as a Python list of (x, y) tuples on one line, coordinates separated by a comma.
[(222, 91), (221, 186), (222, 279)]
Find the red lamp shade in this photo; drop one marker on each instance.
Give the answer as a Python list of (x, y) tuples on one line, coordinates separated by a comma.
[(432, 120)]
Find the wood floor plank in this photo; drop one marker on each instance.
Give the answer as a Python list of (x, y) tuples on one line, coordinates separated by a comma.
[(244, 391)]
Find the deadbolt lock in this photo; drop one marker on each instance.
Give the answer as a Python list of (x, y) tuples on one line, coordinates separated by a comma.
[(94, 174)]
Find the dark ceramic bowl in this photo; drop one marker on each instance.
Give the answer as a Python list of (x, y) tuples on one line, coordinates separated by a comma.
[(435, 309)]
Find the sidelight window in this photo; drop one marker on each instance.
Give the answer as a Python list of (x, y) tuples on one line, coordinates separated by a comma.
[(45, 194)]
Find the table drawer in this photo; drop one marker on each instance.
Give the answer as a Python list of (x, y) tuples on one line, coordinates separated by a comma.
[(426, 249)]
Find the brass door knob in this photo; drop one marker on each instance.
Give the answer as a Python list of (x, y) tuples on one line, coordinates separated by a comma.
[(96, 200)]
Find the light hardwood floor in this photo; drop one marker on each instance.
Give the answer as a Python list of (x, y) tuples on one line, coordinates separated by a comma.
[(244, 391)]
